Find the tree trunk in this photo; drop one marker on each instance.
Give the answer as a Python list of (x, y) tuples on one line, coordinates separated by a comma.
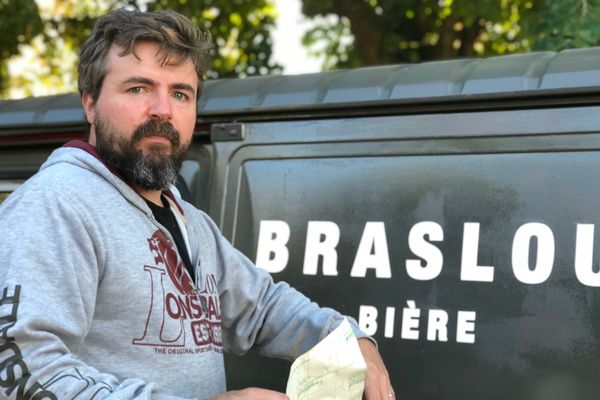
[(365, 27)]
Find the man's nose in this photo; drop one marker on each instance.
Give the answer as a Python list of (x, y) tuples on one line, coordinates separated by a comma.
[(160, 106)]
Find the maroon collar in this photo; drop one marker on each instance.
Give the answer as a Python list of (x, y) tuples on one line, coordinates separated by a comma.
[(85, 146), (91, 149)]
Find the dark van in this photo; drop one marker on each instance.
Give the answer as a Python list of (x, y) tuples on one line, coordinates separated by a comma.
[(450, 207)]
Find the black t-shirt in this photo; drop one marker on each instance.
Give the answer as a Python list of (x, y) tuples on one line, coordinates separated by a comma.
[(166, 218)]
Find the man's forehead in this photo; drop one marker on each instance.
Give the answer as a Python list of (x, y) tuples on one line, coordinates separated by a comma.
[(137, 50), (142, 52)]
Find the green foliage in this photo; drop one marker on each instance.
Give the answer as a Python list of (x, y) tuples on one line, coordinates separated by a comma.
[(349, 33), (20, 24), (567, 24), (240, 29), (374, 32), (50, 66), (330, 39)]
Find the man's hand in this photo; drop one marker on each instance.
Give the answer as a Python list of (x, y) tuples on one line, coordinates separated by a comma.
[(251, 394), (377, 382)]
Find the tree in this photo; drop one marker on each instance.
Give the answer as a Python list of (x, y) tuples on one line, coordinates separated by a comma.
[(374, 32), (20, 24), (566, 24), (240, 29)]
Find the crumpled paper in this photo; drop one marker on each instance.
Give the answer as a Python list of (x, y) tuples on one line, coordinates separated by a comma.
[(333, 369)]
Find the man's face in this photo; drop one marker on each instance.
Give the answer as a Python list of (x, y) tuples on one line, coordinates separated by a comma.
[(142, 122)]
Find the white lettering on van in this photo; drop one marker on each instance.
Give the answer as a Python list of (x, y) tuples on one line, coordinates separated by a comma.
[(367, 319), (545, 253), (433, 322), (469, 270), (390, 316), (584, 252), (372, 252), (410, 321), (430, 254), (322, 238), (465, 327), (272, 253), (437, 326)]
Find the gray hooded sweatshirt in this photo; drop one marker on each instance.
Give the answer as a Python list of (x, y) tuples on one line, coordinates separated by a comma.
[(95, 301)]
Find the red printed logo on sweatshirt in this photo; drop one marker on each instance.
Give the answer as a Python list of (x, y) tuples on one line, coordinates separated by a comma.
[(183, 318), (165, 254)]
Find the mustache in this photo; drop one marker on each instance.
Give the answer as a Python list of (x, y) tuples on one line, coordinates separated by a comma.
[(155, 127)]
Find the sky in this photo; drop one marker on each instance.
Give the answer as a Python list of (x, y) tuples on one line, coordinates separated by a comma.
[(287, 38)]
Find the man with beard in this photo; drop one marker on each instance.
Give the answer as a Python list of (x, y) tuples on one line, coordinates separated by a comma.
[(112, 286)]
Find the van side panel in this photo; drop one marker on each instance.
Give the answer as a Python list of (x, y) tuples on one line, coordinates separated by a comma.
[(465, 243)]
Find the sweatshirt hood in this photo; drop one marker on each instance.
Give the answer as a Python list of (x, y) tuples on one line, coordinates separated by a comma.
[(84, 155)]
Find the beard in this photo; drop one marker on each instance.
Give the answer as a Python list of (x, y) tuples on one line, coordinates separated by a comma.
[(156, 170)]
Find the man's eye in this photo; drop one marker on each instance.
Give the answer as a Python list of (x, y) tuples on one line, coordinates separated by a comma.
[(135, 89), (180, 96)]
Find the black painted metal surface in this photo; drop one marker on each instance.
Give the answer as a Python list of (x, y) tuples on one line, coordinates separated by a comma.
[(514, 196)]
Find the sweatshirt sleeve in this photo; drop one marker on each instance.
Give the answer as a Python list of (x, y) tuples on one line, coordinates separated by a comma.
[(273, 318), (49, 274)]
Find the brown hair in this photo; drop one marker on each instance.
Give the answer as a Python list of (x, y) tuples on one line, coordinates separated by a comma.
[(175, 34)]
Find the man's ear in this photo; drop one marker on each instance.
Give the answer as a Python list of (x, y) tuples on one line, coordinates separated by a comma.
[(88, 103)]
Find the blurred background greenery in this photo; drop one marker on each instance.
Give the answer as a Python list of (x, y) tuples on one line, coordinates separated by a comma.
[(45, 35)]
